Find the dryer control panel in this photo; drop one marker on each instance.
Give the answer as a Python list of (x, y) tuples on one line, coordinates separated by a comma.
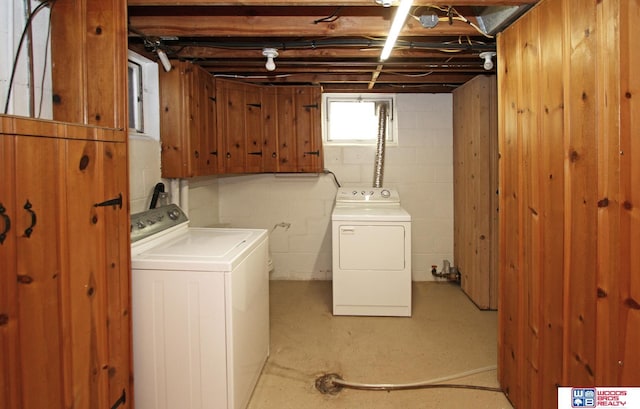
[(367, 195)]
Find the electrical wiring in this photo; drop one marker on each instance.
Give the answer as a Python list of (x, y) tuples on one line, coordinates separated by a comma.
[(18, 51), (450, 11)]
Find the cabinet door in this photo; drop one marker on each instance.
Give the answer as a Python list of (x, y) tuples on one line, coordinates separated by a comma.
[(231, 125), (286, 130), (270, 130), (307, 130), (95, 292), (10, 362), (209, 140), (254, 129), (31, 274), (176, 121)]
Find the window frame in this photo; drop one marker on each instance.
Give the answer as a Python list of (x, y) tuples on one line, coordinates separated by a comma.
[(135, 97), (392, 128)]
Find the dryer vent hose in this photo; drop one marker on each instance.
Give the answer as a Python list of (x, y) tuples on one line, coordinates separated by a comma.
[(380, 147)]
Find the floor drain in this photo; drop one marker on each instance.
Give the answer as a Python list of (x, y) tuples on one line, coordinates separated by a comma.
[(326, 385)]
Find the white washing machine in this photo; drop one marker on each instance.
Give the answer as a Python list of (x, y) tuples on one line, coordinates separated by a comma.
[(371, 248), (200, 312)]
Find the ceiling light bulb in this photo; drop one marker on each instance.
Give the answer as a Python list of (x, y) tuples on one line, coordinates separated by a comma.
[(164, 60), (270, 53), (488, 62)]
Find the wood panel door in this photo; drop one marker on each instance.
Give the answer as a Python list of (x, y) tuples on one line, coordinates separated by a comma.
[(64, 307), (307, 129), (253, 130), (270, 129), (286, 112), (231, 125), (32, 335), (96, 288)]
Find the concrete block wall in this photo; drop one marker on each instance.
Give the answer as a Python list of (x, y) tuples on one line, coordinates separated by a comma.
[(297, 209), (144, 171)]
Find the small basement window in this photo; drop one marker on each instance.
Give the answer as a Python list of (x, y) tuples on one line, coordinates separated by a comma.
[(352, 119)]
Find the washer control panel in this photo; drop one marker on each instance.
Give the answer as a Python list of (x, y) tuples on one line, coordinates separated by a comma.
[(367, 194), (152, 221)]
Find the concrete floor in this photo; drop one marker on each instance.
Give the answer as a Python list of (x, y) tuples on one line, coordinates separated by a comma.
[(446, 335)]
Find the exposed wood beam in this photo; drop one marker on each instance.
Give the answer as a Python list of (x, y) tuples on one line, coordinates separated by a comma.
[(285, 26), (319, 53), (326, 3), (356, 78)]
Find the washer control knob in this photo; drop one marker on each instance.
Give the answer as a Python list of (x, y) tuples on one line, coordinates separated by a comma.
[(385, 193), (174, 214), (141, 225), (354, 192)]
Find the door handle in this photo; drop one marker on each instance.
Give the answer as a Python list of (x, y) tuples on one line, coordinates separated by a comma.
[(28, 207), (116, 201), (7, 223)]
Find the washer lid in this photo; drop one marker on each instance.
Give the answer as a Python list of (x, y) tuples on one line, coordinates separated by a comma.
[(363, 212), (200, 249)]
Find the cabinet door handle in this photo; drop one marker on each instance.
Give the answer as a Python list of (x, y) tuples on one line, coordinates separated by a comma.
[(121, 400), (29, 230), (258, 153), (7, 223), (116, 201), (214, 153), (317, 153)]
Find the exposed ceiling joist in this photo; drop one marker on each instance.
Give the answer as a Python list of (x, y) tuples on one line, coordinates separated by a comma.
[(336, 44)]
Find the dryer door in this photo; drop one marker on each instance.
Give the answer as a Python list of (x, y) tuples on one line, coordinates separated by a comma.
[(376, 247)]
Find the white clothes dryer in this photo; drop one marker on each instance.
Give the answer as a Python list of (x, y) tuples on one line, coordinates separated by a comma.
[(371, 248)]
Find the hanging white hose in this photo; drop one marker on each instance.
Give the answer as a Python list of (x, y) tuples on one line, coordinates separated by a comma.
[(433, 383)]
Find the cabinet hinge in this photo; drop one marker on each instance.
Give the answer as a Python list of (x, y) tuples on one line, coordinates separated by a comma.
[(111, 202), (121, 400)]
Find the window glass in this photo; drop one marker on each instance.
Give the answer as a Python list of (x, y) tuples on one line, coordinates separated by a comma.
[(353, 119)]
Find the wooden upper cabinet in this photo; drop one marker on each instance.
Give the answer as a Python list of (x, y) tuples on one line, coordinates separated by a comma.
[(187, 125), (210, 126)]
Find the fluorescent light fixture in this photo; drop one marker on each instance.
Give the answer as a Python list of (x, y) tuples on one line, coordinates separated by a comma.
[(396, 26)]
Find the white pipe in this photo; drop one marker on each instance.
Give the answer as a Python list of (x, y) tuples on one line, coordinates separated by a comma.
[(414, 384)]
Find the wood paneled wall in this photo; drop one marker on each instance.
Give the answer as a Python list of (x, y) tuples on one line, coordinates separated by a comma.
[(89, 60), (475, 182), (569, 109)]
